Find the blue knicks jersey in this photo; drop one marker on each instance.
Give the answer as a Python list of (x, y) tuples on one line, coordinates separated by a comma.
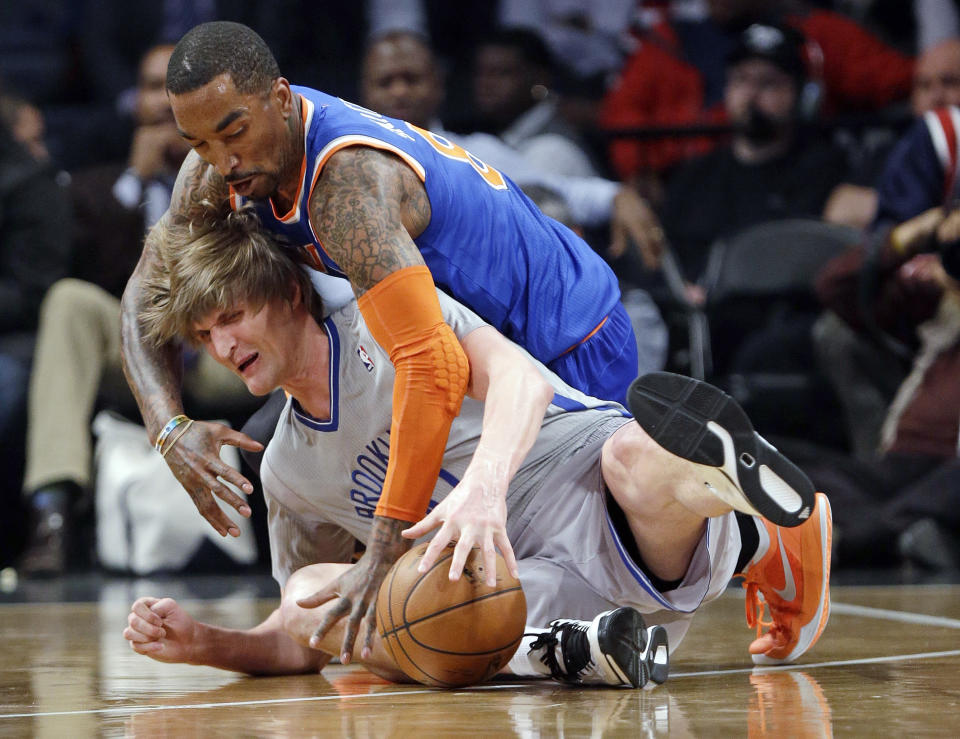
[(487, 244)]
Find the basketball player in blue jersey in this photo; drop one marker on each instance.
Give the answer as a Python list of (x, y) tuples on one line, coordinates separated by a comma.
[(636, 521), (396, 211)]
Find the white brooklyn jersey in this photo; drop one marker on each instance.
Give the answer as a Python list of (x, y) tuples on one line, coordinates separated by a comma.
[(322, 478)]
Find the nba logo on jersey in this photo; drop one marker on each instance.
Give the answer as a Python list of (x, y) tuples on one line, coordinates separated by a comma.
[(365, 358)]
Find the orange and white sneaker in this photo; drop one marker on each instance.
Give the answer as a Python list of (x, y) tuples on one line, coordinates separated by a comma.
[(790, 574)]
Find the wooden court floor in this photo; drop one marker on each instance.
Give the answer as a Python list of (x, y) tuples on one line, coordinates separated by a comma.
[(887, 665)]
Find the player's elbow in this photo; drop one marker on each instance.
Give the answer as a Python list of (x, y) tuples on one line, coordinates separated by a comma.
[(542, 390), (523, 375)]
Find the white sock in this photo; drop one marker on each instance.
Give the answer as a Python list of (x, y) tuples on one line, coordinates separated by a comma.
[(526, 663)]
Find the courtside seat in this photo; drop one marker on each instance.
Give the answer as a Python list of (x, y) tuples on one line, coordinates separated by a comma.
[(759, 311)]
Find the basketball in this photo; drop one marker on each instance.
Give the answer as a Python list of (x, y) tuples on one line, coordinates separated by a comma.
[(450, 634)]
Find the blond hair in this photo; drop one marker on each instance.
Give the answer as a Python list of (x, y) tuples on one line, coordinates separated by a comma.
[(216, 264)]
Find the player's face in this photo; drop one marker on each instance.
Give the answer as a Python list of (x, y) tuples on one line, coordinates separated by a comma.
[(400, 80), (248, 138), (258, 345)]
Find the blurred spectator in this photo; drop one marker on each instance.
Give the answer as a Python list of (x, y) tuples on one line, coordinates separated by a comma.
[(936, 80), (919, 176), (34, 218), (590, 37), (770, 169), (514, 97), (673, 78), (936, 83), (25, 122), (78, 340), (908, 489), (903, 480), (453, 30)]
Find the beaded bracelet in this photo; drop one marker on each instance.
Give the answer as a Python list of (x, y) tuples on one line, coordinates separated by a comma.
[(171, 425), (175, 439)]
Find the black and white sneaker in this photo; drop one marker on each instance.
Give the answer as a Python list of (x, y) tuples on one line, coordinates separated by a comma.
[(702, 424), (616, 648)]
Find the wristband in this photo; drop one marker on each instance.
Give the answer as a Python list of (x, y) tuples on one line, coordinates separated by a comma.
[(175, 439), (171, 425)]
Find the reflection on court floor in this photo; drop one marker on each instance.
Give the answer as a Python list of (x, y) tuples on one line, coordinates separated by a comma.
[(890, 657)]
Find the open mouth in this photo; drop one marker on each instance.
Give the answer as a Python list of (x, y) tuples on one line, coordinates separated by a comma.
[(243, 186), (242, 367)]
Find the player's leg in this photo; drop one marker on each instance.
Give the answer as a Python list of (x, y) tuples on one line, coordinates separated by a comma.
[(615, 648), (789, 573), (660, 476), (580, 636), (703, 425), (300, 623), (665, 504)]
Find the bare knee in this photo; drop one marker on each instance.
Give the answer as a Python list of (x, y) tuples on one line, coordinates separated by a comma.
[(648, 481), (628, 459)]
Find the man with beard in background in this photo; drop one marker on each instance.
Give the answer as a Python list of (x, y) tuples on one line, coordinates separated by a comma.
[(770, 169)]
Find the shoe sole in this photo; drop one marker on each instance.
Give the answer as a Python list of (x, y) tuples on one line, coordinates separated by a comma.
[(702, 424), (635, 654), (656, 656), (810, 634)]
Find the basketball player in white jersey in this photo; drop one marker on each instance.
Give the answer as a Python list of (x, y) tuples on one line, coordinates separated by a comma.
[(641, 522)]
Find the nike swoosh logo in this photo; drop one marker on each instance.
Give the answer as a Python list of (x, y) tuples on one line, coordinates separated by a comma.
[(789, 591)]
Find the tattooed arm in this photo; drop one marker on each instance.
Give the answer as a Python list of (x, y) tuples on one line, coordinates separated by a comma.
[(364, 210), (154, 373)]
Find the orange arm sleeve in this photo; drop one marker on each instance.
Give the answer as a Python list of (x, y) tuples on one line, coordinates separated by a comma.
[(432, 373)]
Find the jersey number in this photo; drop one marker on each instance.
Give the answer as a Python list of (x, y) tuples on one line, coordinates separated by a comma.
[(450, 150)]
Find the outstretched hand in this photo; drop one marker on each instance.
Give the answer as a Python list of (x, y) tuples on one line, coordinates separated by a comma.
[(195, 462), (475, 514), (161, 629), (356, 590)]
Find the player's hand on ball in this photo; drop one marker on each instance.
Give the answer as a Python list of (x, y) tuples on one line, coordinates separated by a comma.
[(356, 590), (195, 462), (161, 629), (475, 515)]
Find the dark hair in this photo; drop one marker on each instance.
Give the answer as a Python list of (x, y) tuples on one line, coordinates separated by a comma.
[(211, 49)]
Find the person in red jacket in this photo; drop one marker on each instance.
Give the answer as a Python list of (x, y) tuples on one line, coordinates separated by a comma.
[(674, 78)]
